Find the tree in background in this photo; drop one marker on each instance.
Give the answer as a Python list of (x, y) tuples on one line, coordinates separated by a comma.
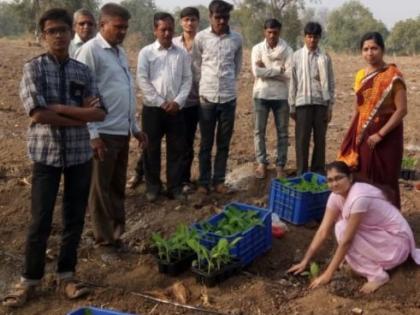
[(24, 14), (405, 37), (141, 21), (347, 24), (250, 15), (27, 12), (10, 26)]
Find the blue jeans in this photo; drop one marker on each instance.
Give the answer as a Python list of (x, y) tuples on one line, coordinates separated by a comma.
[(280, 110), (222, 115)]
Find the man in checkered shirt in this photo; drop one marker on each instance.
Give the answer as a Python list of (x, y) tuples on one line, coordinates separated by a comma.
[(60, 97)]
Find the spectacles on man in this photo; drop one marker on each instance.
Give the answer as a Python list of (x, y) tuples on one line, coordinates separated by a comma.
[(85, 23), (54, 31)]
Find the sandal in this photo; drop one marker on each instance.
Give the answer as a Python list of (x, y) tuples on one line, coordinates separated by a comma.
[(19, 295), (73, 289)]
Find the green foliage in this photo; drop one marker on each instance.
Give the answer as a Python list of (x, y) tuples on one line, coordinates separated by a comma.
[(10, 26), (234, 221), (27, 12), (292, 29), (216, 257), (250, 15), (313, 271), (176, 244), (347, 24), (409, 163), (141, 21), (405, 37), (304, 185)]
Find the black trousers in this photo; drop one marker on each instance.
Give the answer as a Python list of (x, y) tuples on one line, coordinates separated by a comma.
[(311, 119), (157, 123), (45, 185), (191, 122)]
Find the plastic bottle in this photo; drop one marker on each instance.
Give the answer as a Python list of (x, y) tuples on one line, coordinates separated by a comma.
[(278, 228)]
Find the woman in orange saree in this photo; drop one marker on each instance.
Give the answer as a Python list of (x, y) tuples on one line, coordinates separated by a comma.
[(373, 145)]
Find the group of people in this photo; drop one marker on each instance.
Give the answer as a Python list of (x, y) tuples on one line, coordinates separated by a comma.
[(80, 98)]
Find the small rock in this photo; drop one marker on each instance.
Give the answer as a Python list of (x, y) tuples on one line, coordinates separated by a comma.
[(357, 311), (235, 311)]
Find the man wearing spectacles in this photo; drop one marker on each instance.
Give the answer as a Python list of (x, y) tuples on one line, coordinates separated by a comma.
[(60, 97), (84, 27)]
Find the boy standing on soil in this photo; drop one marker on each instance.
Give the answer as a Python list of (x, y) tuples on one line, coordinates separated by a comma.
[(164, 77), (60, 96), (84, 27), (270, 62), (110, 138), (217, 59), (311, 97)]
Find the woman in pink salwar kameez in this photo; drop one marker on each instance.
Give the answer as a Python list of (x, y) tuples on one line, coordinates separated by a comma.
[(372, 234)]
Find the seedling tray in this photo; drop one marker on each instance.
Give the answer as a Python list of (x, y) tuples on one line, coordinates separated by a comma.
[(217, 276), (408, 174), (295, 206), (254, 241), (176, 267), (95, 311)]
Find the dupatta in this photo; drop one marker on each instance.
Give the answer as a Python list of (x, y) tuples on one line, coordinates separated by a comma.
[(370, 95)]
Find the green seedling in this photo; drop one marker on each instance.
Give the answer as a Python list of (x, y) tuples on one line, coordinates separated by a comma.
[(304, 185), (176, 244), (408, 163), (233, 221), (313, 271), (213, 259)]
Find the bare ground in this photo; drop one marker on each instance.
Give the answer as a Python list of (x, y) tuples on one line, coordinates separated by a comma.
[(263, 288)]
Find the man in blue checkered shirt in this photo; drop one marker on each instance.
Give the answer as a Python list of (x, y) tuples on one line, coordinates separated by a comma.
[(60, 96)]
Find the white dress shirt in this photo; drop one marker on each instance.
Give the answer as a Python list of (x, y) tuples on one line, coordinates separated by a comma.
[(109, 66), (75, 45), (164, 74), (216, 64)]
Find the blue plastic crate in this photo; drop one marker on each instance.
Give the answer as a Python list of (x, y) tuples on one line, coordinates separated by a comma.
[(295, 206), (254, 241), (95, 311)]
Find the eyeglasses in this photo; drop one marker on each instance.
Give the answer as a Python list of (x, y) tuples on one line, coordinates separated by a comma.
[(85, 23), (57, 31), (335, 178)]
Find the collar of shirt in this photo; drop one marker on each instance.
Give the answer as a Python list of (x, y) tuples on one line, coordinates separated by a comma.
[(77, 40), (269, 47), (210, 30), (315, 52), (54, 59), (158, 46), (105, 45)]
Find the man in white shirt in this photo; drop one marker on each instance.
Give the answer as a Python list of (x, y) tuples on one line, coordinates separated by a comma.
[(270, 62), (164, 77), (84, 27), (110, 138), (217, 58)]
